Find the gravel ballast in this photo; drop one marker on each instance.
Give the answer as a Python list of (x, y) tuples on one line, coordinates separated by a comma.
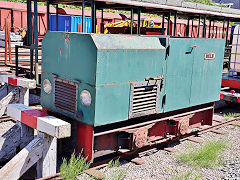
[(160, 164)]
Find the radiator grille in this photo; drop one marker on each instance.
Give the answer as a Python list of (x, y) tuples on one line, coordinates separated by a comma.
[(65, 95), (144, 98)]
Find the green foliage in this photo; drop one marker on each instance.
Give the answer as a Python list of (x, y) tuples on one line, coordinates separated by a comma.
[(76, 165), (230, 115), (119, 174), (113, 163), (207, 2), (206, 156), (191, 175)]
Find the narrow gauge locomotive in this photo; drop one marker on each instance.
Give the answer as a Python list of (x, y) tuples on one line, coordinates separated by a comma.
[(130, 91)]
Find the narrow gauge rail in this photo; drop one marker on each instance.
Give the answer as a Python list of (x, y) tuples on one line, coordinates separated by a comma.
[(130, 155), (126, 92)]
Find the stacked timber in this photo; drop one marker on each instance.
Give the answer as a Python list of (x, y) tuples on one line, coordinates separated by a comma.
[(15, 39)]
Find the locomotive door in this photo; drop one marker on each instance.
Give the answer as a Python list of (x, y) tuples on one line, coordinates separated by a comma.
[(207, 68), (178, 74)]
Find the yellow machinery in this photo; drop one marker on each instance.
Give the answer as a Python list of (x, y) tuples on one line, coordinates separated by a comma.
[(125, 23)]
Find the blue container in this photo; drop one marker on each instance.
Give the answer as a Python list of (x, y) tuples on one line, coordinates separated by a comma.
[(64, 23), (78, 19), (232, 30)]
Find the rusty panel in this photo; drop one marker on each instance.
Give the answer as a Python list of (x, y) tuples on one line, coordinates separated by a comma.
[(17, 21)]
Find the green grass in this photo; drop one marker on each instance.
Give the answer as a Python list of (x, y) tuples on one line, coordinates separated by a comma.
[(206, 156), (119, 174), (230, 115), (191, 175), (76, 165), (113, 163)]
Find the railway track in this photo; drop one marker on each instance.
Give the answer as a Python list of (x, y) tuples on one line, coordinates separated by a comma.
[(129, 156)]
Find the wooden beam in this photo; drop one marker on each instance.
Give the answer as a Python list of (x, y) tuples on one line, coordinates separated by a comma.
[(47, 165), (39, 120), (8, 143), (25, 159)]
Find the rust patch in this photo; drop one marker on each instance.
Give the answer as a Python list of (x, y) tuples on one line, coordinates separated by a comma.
[(140, 135), (183, 124)]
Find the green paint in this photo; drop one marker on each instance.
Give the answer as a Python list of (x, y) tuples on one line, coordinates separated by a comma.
[(106, 65)]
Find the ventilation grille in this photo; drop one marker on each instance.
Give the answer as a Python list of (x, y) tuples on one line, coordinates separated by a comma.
[(144, 98), (65, 95)]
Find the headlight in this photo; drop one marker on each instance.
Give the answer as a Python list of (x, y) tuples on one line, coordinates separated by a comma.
[(47, 86), (86, 98)]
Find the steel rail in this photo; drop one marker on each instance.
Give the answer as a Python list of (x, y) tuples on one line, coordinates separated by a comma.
[(129, 155)]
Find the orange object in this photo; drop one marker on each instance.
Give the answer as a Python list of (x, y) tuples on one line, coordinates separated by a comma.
[(7, 43)]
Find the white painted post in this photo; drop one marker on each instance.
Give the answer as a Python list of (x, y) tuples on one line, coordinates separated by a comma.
[(27, 134), (47, 165), (24, 96), (49, 130)]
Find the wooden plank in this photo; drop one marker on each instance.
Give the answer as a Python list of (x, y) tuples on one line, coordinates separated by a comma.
[(8, 143), (25, 159), (217, 131), (95, 173), (15, 110), (235, 124), (170, 149), (138, 161), (47, 165), (47, 124), (195, 139), (7, 99), (54, 126)]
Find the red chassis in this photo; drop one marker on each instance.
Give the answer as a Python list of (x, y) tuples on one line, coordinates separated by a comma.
[(123, 137)]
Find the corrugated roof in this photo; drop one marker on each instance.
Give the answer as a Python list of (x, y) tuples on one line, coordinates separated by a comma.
[(154, 6)]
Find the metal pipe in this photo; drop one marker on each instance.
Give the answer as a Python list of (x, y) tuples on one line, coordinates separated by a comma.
[(36, 40), (199, 25), (187, 28), (83, 16), (192, 29), (29, 22), (175, 23), (12, 20), (139, 21), (163, 17), (132, 20), (31, 63), (209, 30), (227, 31), (216, 32), (16, 59), (48, 17), (102, 23), (204, 27), (223, 28), (168, 28), (56, 17), (93, 16)]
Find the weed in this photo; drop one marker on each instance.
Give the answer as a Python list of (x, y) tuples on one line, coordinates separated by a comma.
[(206, 156), (119, 174), (230, 115), (76, 165), (235, 124), (113, 163), (193, 175)]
